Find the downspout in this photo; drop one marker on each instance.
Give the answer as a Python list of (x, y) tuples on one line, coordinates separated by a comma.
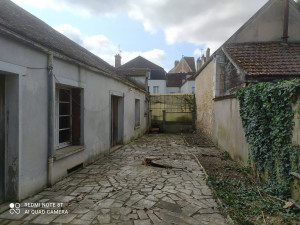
[(286, 21), (50, 121)]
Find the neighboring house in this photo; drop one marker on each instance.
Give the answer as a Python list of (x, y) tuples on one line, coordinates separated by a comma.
[(185, 65), (174, 82), (180, 79), (145, 72), (180, 82), (261, 50), (188, 86), (61, 107)]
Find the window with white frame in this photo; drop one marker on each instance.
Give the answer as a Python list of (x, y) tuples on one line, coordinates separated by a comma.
[(68, 116), (137, 112), (155, 89)]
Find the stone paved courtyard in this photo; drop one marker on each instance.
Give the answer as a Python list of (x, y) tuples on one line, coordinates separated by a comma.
[(118, 189)]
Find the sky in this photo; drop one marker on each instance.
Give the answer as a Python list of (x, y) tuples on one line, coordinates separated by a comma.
[(161, 31)]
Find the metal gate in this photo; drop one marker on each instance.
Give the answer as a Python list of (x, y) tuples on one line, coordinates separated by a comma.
[(173, 112)]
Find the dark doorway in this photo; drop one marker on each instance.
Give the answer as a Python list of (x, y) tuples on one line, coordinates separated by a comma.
[(114, 120), (2, 137), (117, 120)]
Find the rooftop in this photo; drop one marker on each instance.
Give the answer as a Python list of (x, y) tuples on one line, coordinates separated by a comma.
[(140, 63), (176, 79), (266, 59)]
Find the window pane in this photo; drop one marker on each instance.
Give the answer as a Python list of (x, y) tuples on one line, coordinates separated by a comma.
[(64, 109), (64, 95), (64, 122), (64, 136)]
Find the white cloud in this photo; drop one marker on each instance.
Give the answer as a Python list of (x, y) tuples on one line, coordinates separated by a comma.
[(193, 21), (156, 56), (101, 46), (56, 5), (198, 52), (213, 46)]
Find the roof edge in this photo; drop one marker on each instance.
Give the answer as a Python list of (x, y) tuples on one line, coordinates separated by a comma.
[(236, 65), (33, 44)]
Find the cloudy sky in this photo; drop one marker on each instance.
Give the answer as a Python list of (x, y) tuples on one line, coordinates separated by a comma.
[(160, 30)]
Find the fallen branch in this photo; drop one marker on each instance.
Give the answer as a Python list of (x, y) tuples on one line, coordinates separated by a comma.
[(148, 160), (295, 174), (288, 204), (295, 203), (278, 199)]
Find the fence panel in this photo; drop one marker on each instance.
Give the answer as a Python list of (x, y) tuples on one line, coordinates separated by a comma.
[(173, 112)]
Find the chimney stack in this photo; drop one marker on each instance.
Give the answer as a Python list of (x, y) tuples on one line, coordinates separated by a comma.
[(207, 53), (198, 64), (202, 60), (117, 60)]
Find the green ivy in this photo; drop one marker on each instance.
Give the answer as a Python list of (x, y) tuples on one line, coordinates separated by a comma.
[(267, 116)]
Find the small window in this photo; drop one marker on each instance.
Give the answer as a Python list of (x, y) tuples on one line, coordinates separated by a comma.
[(155, 89), (137, 112), (193, 90), (68, 116)]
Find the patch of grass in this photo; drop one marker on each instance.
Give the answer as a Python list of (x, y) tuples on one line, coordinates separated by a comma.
[(225, 156), (247, 202)]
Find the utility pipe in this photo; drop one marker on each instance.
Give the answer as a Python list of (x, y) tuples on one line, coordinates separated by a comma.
[(50, 120), (285, 31)]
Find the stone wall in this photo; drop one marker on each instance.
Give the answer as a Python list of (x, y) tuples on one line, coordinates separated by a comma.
[(204, 84)]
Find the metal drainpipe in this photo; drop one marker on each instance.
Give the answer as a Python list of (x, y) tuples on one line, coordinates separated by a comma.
[(50, 120), (285, 32)]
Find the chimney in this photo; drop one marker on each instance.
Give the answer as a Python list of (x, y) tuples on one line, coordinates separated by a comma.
[(285, 31), (117, 60), (202, 60), (176, 63), (207, 53), (198, 64)]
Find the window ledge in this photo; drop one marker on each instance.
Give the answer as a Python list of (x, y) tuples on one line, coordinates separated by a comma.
[(67, 151)]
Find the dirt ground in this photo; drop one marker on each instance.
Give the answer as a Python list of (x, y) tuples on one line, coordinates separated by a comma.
[(198, 139), (215, 162), (243, 196)]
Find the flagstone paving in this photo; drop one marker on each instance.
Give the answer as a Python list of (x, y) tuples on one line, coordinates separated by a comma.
[(119, 189)]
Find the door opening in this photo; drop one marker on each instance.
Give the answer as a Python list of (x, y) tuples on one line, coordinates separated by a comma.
[(114, 120), (2, 138), (117, 114)]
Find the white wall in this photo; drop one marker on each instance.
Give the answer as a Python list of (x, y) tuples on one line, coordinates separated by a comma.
[(267, 25), (97, 90), (161, 86), (228, 130), (187, 87)]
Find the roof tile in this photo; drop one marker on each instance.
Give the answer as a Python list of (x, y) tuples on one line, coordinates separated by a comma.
[(260, 59)]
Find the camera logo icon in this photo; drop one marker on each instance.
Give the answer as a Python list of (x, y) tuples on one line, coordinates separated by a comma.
[(14, 208)]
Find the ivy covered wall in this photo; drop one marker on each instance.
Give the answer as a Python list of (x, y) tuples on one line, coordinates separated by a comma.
[(268, 120)]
